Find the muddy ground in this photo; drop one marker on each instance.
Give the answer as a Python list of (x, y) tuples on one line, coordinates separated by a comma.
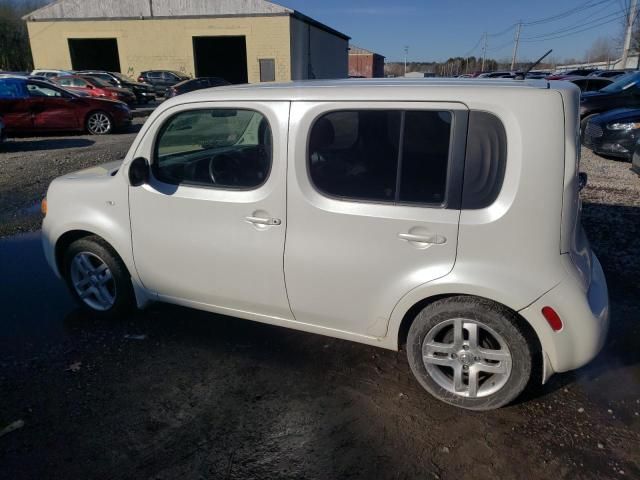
[(174, 393)]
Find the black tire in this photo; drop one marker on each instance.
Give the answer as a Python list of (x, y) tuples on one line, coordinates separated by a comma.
[(499, 319), (120, 283), (94, 119), (583, 123)]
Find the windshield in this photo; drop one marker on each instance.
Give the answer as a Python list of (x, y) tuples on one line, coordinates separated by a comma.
[(622, 83), (98, 82), (124, 77)]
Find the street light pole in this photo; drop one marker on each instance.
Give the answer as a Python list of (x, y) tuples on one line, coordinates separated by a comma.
[(515, 47), (484, 51), (631, 16), (406, 54)]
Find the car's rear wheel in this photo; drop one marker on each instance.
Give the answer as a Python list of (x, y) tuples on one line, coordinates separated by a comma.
[(99, 123), (97, 278), (469, 352)]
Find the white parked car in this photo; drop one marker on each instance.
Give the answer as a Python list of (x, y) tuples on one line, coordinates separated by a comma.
[(50, 74), (440, 214)]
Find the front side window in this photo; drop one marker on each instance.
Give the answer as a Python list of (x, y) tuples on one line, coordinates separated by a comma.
[(225, 148), (36, 90), (381, 155)]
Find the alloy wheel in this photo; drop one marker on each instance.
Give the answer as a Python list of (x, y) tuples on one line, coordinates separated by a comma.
[(93, 281), (99, 123), (466, 358)]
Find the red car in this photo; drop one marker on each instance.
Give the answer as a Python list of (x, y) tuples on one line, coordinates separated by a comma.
[(95, 87), (37, 106)]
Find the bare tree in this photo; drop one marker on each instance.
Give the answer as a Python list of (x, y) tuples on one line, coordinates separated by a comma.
[(15, 52), (601, 50)]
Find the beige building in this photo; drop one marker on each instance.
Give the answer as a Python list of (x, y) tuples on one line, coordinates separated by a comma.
[(239, 40)]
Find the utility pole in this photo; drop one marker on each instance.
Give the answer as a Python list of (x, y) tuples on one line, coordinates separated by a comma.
[(406, 54), (631, 16), (515, 47), (484, 51)]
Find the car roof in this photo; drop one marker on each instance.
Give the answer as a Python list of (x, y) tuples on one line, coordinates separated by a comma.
[(348, 89)]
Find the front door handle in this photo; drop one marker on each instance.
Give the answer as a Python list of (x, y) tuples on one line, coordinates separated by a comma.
[(430, 239), (263, 221)]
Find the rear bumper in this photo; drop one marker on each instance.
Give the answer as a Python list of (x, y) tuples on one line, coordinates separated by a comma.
[(584, 314)]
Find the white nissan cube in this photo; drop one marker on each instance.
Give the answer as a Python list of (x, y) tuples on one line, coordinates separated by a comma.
[(443, 215)]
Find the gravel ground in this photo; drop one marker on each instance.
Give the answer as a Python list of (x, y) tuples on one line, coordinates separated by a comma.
[(28, 165), (174, 393)]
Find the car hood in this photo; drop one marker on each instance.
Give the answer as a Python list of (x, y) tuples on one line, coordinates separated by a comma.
[(109, 168), (619, 115)]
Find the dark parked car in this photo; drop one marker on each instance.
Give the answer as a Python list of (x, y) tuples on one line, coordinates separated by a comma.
[(195, 84), (589, 84), (624, 92), (2, 131), (162, 79), (635, 159), (35, 106), (580, 72), (144, 92), (614, 133), (95, 87), (610, 73)]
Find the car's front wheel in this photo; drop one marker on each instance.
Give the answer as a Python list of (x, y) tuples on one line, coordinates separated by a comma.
[(99, 123), (469, 352), (97, 278)]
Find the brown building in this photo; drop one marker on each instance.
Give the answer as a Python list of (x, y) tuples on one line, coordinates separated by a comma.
[(239, 40), (363, 63)]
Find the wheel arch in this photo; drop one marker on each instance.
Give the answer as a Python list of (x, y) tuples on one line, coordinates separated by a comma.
[(541, 367), (410, 314), (143, 297), (67, 238)]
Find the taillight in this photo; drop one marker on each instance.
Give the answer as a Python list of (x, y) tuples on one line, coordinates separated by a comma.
[(552, 318)]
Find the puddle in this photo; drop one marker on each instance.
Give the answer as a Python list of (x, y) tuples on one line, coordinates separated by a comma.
[(32, 210), (34, 301)]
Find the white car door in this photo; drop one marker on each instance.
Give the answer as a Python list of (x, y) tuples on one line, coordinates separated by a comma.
[(208, 228), (373, 207)]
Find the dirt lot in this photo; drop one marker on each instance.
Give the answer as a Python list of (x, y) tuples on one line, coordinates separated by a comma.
[(173, 393)]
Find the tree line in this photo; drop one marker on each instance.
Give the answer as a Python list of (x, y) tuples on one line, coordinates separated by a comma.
[(15, 52)]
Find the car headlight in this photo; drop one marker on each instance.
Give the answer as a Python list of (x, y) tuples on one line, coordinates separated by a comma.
[(623, 126)]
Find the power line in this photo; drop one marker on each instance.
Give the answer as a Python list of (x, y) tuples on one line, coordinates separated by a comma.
[(567, 13), (474, 47), (579, 25), (574, 32)]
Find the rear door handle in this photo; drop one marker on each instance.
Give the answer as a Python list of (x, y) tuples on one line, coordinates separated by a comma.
[(263, 221), (431, 239)]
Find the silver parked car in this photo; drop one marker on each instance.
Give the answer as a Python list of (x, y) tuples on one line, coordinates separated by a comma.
[(440, 214)]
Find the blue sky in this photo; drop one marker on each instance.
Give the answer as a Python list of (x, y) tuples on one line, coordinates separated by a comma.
[(438, 29)]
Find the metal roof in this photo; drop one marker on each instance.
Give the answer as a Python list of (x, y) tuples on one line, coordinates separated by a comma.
[(355, 50), (67, 10)]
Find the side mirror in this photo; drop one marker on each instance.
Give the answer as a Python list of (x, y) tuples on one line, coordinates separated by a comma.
[(138, 172), (90, 87)]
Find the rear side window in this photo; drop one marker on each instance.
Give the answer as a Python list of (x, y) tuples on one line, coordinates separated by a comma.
[(382, 155), (223, 148), (485, 160)]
